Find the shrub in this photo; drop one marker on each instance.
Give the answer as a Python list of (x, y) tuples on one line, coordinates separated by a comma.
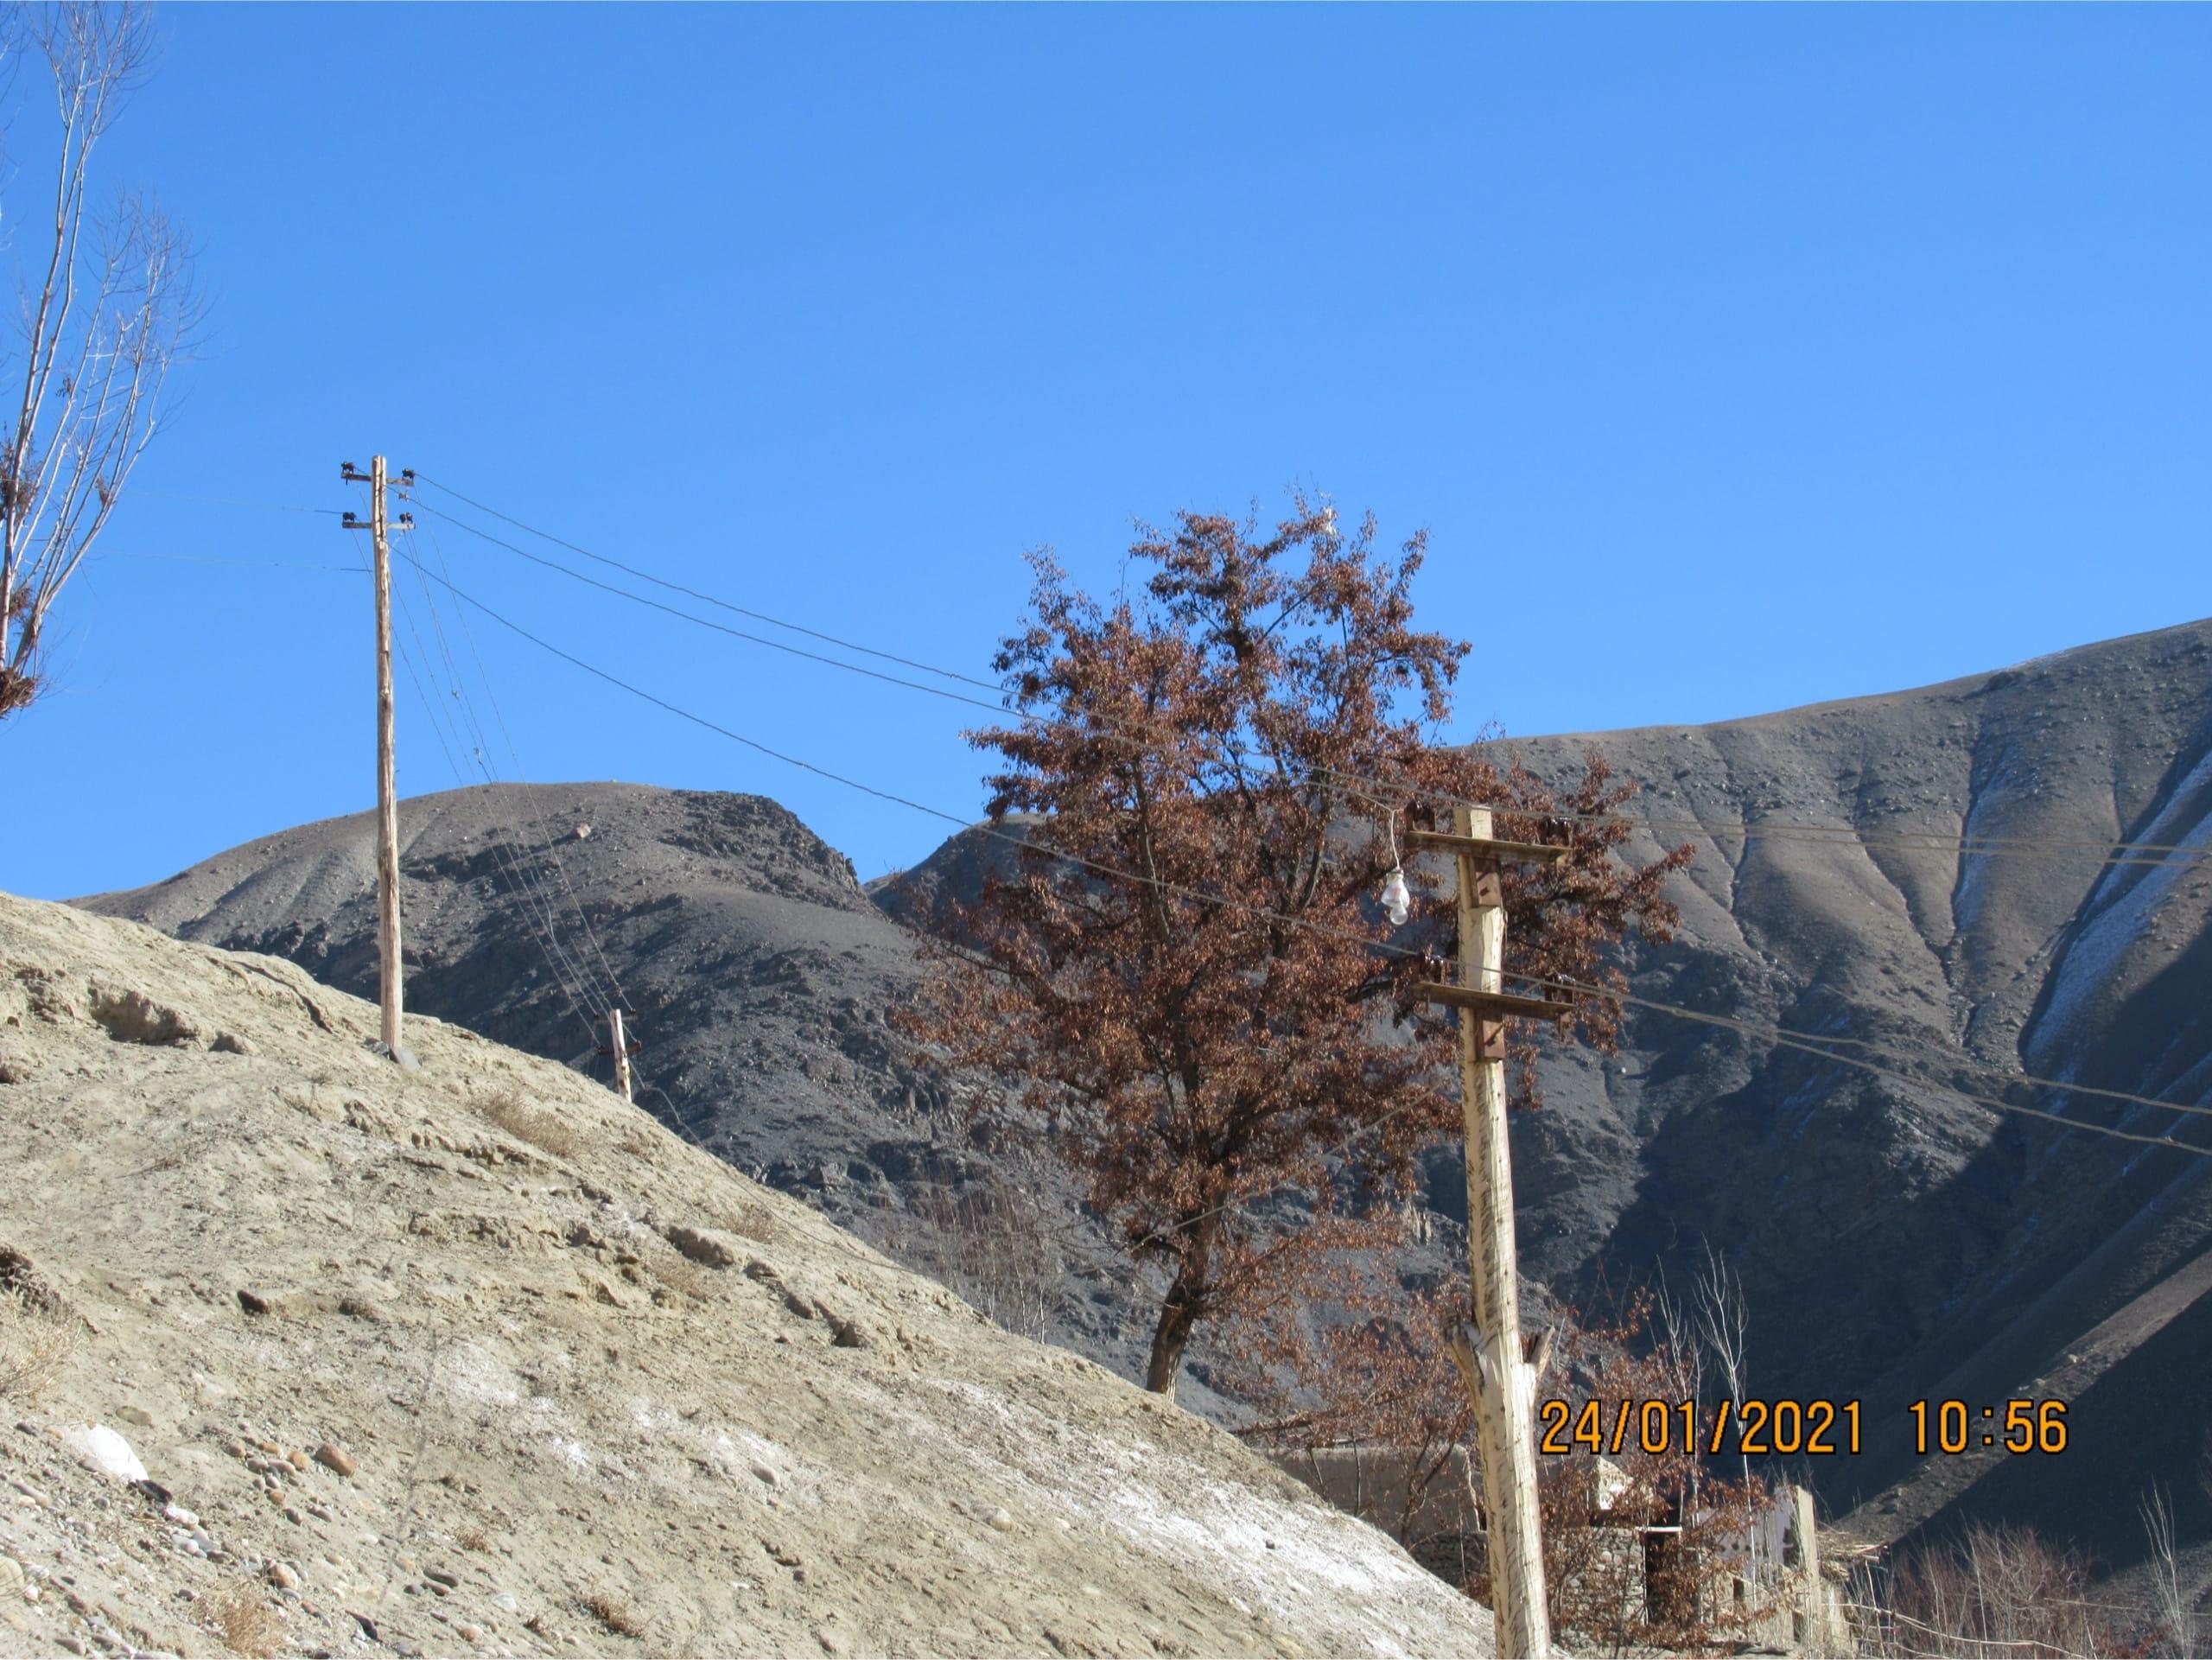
[(246, 1623), (615, 1614), (36, 1339), (508, 1111), (991, 1240), (1997, 1592)]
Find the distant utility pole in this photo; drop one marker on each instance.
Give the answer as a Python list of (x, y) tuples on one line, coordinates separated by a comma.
[(1501, 1381), (621, 1051), (388, 966)]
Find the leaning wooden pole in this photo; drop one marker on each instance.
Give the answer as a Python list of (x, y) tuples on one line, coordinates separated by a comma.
[(1498, 1378), (388, 962), (620, 1042)]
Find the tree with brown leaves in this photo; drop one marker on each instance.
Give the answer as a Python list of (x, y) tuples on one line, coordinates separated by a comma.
[(1185, 973)]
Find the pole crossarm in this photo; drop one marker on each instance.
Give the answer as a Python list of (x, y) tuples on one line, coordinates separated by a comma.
[(1495, 1004), (1486, 848)]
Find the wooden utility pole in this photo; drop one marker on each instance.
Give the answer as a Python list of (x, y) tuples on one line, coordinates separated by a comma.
[(621, 1051), (1501, 1381), (388, 962)]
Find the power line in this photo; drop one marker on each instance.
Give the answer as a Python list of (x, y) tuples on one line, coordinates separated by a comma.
[(720, 628), (2046, 848), (693, 593), (1788, 1039), (2043, 848), (559, 980), (546, 843), (1807, 1042), (520, 878), (696, 720)]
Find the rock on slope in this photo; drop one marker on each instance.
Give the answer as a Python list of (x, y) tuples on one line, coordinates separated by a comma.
[(585, 1386)]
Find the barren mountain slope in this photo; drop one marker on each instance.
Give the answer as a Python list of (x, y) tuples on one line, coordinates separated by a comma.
[(580, 1385), (1897, 1240)]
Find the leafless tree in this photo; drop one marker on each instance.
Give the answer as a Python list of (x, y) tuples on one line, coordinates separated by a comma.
[(1722, 1319), (107, 308), (2171, 1603), (1993, 1594)]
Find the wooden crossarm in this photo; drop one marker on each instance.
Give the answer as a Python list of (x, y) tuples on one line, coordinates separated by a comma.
[(1488, 848), (1495, 1004)]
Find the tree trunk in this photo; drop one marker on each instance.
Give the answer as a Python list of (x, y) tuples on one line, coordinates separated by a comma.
[(1169, 1338), (1180, 1314)]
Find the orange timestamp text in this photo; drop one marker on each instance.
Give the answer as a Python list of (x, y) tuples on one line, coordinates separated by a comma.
[(1954, 1426), (1751, 1428)]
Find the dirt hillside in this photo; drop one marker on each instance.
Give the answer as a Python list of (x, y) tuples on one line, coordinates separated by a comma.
[(758, 975), (478, 1359)]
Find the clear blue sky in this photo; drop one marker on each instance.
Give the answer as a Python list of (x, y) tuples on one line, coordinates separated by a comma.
[(1735, 358)]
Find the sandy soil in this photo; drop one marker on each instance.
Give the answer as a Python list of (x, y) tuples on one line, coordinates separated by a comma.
[(478, 1359)]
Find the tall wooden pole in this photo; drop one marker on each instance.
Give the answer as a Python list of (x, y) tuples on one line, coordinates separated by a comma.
[(1501, 1381), (388, 964), (621, 1051)]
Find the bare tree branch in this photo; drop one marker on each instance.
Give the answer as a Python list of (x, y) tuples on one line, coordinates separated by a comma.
[(107, 310)]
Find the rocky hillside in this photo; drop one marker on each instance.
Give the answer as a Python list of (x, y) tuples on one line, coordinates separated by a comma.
[(299, 1349), (1896, 1240), (759, 979)]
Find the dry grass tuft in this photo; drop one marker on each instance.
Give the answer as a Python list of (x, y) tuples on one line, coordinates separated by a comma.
[(611, 1612), (753, 1221), (679, 1273), (541, 1129), (246, 1623), (36, 1343), (473, 1538)]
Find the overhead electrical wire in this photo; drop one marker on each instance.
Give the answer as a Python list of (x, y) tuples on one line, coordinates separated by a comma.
[(709, 598), (575, 986), (542, 841), (720, 628), (522, 880), (1809, 1043), (560, 979), (1838, 834), (2049, 850)]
